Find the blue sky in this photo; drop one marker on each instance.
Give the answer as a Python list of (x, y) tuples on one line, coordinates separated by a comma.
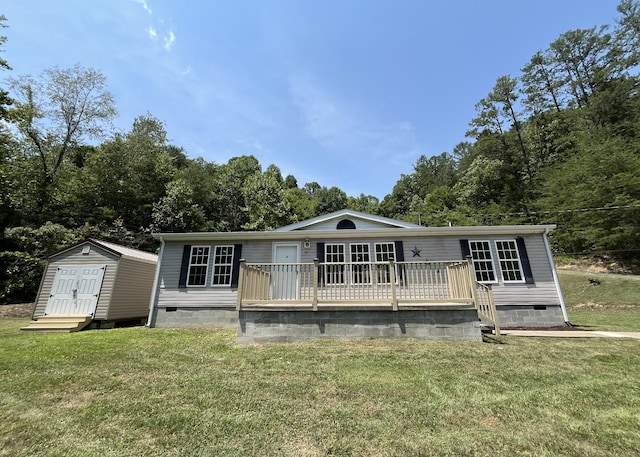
[(347, 93)]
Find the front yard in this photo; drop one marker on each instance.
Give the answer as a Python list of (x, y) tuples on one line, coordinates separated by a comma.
[(158, 392)]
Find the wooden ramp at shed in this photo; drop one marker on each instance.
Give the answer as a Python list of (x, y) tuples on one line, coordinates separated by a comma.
[(58, 323)]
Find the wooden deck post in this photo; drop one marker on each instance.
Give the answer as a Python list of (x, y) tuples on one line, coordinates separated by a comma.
[(243, 269), (494, 312), (392, 277), (472, 281), (314, 300)]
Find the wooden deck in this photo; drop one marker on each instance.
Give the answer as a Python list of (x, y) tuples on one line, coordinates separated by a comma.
[(376, 286)]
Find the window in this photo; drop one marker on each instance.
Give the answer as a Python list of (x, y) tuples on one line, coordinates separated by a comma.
[(360, 266), (482, 261), (509, 259), (222, 265), (346, 224), (198, 263), (384, 253), (334, 253)]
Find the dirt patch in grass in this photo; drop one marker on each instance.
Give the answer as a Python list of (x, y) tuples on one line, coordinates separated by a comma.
[(19, 310), (602, 306)]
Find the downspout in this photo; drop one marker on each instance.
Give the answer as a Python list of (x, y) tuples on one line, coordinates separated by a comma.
[(555, 276), (151, 321)]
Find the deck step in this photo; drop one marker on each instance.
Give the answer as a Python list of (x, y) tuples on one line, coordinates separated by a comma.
[(58, 323)]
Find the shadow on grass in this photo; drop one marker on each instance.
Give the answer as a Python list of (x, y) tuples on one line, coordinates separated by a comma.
[(487, 338)]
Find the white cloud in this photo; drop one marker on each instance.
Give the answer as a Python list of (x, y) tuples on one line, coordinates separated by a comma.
[(342, 127), (144, 5), (152, 33), (187, 71), (169, 40)]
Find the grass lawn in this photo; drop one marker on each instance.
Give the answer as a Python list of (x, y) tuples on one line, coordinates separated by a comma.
[(613, 304), (160, 392)]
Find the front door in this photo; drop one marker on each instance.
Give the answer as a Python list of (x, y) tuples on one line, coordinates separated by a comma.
[(285, 273), (75, 290)]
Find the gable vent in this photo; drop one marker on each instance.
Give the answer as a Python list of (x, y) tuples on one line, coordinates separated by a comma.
[(346, 224)]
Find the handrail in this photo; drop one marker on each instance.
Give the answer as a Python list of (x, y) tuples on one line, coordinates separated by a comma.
[(374, 283)]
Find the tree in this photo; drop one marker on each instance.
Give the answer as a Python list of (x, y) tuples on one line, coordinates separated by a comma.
[(482, 183), (435, 171), (5, 141), (290, 182), (122, 178), (301, 203), (177, 210), (364, 203), (61, 110), (397, 203), (627, 33), (5, 100), (577, 193), (329, 200), (267, 207), (229, 204)]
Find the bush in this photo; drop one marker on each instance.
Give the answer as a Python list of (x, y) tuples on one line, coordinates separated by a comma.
[(20, 274)]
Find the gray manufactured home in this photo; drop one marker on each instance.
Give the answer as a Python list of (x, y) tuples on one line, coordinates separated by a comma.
[(351, 274), (94, 283)]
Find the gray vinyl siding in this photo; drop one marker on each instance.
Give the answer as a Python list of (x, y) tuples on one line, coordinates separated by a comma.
[(75, 257), (170, 295), (134, 281), (542, 292), (361, 224)]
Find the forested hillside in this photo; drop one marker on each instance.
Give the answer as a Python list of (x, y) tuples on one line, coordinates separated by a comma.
[(558, 143)]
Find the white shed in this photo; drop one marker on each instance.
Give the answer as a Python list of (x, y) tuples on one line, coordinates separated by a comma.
[(96, 284)]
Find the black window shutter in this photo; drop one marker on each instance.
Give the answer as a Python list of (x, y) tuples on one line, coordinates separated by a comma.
[(524, 260), (320, 256), (399, 251), (235, 270), (464, 247), (399, 258), (184, 267)]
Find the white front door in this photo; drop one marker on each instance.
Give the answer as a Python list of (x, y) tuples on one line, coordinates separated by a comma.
[(75, 290), (284, 280)]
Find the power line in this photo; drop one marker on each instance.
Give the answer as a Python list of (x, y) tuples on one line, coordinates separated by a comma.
[(560, 211)]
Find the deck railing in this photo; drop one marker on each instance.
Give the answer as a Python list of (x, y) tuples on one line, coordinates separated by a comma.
[(368, 283)]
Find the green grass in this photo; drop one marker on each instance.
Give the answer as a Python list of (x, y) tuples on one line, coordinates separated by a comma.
[(160, 392), (614, 320), (612, 305), (613, 290)]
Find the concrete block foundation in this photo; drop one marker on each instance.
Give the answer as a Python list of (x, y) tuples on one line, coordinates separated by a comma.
[(291, 326), (530, 316), (196, 317)]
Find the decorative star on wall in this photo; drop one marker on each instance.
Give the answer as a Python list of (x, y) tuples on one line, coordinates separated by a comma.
[(416, 251)]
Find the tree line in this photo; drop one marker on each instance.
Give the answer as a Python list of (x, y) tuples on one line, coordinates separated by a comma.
[(558, 143)]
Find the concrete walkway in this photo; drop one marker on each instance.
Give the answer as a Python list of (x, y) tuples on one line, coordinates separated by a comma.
[(570, 334)]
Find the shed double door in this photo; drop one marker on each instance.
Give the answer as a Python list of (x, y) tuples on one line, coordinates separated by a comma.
[(75, 290)]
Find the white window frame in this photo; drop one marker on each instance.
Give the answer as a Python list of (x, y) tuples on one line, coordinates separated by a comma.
[(513, 248), (329, 264), (363, 265), (228, 265), (384, 269), (193, 254), (476, 262)]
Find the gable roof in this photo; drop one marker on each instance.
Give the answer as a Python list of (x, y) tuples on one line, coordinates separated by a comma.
[(345, 213), (118, 250)]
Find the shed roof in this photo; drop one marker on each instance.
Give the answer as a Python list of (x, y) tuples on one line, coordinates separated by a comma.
[(120, 251), (126, 251)]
